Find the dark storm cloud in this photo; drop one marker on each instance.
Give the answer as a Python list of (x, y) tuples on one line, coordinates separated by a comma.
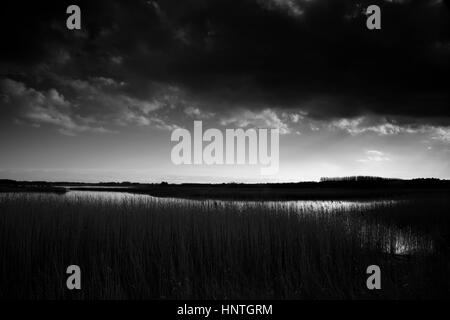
[(314, 55)]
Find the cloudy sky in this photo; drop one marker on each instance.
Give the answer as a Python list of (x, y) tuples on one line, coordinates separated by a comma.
[(100, 103)]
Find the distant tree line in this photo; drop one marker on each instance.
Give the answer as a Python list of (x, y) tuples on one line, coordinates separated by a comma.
[(356, 178)]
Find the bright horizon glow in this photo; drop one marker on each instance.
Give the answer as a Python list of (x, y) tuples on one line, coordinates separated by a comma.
[(131, 157)]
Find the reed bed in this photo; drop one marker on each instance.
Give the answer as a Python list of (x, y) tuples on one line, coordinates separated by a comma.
[(137, 248)]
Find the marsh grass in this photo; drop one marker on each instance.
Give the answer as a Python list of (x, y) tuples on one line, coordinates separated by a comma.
[(150, 249)]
